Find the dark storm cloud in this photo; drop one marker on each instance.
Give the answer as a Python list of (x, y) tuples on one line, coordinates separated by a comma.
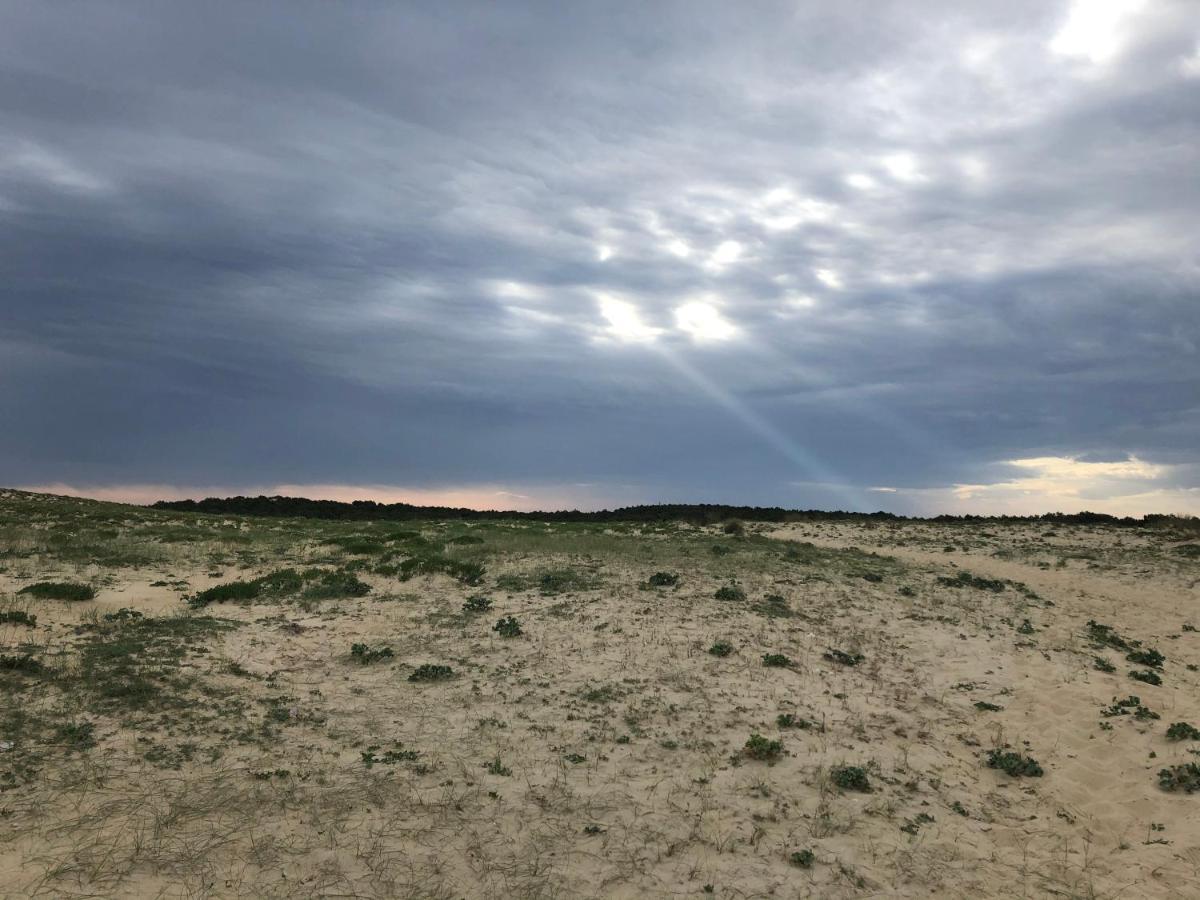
[(754, 252)]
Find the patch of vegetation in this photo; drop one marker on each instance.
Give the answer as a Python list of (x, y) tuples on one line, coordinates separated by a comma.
[(734, 527), (465, 571), (17, 617), (549, 582), (73, 591), (365, 655), (1103, 665), (967, 580), (984, 706), (334, 585), (1014, 764), (913, 825), (496, 767), (1148, 657), (851, 778), (1106, 636), (372, 757), (431, 672), (24, 663), (1130, 706), (1149, 676), (721, 648), (842, 657), (663, 579), (789, 720), (802, 859), (730, 592), (761, 748), (77, 736), (1183, 731), (507, 627), (1184, 777), (477, 603), (776, 661)]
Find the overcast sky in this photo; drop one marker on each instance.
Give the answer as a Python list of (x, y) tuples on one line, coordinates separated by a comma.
[(921, 256)]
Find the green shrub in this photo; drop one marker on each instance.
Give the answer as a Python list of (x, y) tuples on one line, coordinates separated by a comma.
[(1180, 778), (802, 859), (224, 593), (721, 648), (23, 663), (17, 617), (507, 627), (477, 603), (788, 720), (335, 586), (1182, 731), (841, 656), (365, 655), (776, 661), (730, 592), (761, 748), (851, 778), (1149, 676), (967, 580), (431, 672), (1149, 657), (1103, 665), (60, 590), (663, 579), (1014, 764)]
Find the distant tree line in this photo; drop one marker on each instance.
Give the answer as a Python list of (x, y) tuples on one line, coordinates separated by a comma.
[(695, 513)]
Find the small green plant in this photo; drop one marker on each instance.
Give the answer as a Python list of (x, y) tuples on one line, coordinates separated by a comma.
[(496, 767), (372, 757), (1103, 665), (721, 648), (1149, 657), (1013, 763), (1130, 706), (761, 748), (17, 617), (477, 603), (851, 778), (507, 627), (913, 825), (431, 672), (575, 758), (734, 527), (984, 706), (1105, 636), (663, 579), (1185, 778), (60, 590), (776, 661), (842, 657), (1182, 731), (365, 655), (802, 859), (23, 663), (77, 735), (967, 580), (1149, 676), (730, 592), (1026, 627), (789, 720)]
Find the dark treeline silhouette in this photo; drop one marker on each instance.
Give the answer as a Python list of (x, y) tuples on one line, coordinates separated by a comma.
[(696, 513)]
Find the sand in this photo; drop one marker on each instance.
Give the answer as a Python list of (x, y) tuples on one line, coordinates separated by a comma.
[(601, 752)]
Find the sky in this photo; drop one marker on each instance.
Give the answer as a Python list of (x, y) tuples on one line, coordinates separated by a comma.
[(915, 255)]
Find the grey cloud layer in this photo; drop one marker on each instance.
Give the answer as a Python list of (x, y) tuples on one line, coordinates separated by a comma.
[(373, 243)]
